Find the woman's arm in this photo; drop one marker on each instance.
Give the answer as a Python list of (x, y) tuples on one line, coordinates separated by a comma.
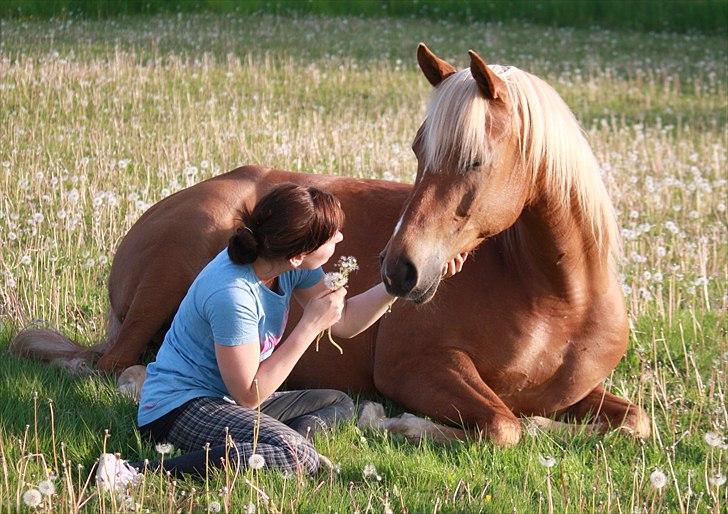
[(249, 381), (363, 310)]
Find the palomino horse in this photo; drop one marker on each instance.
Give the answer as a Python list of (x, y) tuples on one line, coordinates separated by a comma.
[(532, 325)]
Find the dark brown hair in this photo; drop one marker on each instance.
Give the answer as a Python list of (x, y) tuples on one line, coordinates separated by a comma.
[(290, 220)]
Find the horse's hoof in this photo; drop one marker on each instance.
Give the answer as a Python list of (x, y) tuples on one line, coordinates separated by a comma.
[(637, 423), (371, 416), (504, 431), (130, 381)]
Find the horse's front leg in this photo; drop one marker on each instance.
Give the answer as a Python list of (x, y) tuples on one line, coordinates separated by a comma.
[(611, 411), (445, 385)]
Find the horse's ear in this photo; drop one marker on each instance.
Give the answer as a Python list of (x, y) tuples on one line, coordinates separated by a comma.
[(435, 69), (489, 83)]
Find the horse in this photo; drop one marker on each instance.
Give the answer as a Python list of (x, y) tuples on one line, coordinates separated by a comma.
[(533, 324)]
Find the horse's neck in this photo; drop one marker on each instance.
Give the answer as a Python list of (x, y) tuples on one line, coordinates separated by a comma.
[(557, 254)]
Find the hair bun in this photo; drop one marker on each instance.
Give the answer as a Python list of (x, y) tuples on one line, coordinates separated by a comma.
[(243, 246)]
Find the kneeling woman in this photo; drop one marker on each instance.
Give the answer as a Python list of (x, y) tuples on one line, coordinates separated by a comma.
[(217, 366)]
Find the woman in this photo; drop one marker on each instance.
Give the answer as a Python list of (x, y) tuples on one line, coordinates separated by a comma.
[(216, 366)]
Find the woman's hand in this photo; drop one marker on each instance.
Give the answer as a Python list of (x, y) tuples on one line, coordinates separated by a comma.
[(324, 310), (454, 266)]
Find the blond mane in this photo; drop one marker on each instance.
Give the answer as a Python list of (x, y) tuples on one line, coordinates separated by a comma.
[(550, 139)]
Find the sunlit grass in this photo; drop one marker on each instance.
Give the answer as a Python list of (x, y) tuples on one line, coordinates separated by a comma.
[(103, 118)]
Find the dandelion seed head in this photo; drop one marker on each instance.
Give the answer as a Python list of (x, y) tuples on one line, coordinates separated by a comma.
[(369, 470), (47, 487), (164, 448), (717, 480), (546, 461), (335, 280), (713, 439), (256, 461), (658, 479), (214, 506), (32, 498)]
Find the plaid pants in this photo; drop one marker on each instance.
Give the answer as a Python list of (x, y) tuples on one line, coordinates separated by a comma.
[(285, 425)]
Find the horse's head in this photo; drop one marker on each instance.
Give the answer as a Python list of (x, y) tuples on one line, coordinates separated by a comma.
[(470, 181)]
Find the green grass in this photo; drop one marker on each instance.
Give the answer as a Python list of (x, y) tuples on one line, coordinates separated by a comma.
[(709, 16), (592, 471), (102, 118)]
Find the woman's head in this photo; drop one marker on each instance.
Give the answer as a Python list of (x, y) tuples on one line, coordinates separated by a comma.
[(290, 222)]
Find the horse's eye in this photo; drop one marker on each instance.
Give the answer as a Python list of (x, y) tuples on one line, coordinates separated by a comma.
[(473, 165)]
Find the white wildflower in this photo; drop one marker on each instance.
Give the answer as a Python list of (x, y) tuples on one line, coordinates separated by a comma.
[(717, 480), (546, 461), (32, 497), (214, 506), (369, 471), (164, 448), (12, 236), (25, 260), (658, 479), (713, 439), (73, 195), (256, 461), (47, 488), (335, 280), (249, 508), (347, 265)]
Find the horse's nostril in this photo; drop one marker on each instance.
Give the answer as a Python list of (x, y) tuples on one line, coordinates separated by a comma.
[(410, 275), (402, 277)]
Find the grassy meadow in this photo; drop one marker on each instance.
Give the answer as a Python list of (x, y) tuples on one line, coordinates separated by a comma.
[(102, 118)]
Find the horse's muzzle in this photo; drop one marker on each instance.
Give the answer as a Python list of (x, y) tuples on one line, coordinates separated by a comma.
[(399, 277)]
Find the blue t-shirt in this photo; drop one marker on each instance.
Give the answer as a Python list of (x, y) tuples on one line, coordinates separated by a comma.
[(228, 305)]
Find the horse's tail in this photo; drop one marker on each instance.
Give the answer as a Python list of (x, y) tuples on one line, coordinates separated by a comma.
[(51, 346)]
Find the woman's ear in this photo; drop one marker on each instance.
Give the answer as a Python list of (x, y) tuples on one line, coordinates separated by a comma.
[(296, 261)]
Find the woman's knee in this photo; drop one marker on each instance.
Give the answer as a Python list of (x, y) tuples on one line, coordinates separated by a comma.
[(301, 454), (345, 406)]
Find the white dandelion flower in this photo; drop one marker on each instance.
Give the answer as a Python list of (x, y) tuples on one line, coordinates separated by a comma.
[(713, 439), (369, 471), (73, 195), (12, 236), (335, 280), (164, 448), (47, 488), (658, 479), (214, 506), (25, 260), (717, 480), (32, 497), (546, 461), (249, 508), (347, 265), (256, 461)]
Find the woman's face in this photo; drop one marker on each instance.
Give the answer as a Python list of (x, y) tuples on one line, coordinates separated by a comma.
[(322, 254)]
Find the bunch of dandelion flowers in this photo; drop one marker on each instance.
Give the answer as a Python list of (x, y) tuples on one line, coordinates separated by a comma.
[(335, 280)]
